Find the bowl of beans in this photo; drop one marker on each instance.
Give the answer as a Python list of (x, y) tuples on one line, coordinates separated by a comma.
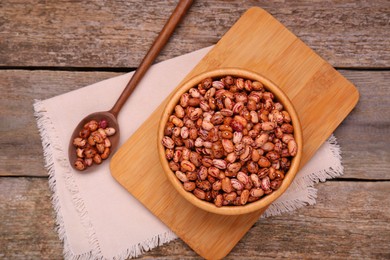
[(230, 141)]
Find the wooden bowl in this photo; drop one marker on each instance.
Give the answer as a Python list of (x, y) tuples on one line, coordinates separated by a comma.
[(266, 200)]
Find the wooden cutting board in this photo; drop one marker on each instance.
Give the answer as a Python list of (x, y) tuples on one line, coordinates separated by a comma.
[(258, 42)]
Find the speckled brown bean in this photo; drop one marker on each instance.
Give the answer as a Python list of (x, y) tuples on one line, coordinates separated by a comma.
[(218, 200), (177, 121), (227, 145), (174, 166), (168, 129), (286, 117), (264, 172), (88, 161), (97, 159), (227, 135), (179, 111), (236, 184), (189, 186), (247, 154), (168, 142), (177, 155), (229, 197), (252, 167), (255, 180), (176, 131), (106, 153), (292, 147), (247, 140), (186, 153), (265, 183), (272, 156), (239, 148), (181, 176), (237, 137), (213, 171), (275, 184), (231, 157), (243, 177), (227, 185), (287, 128), (89, 152), (234, 167), (200, 194), (244, 197), (187, 166), (268, 146), (255, 155), (268, 126), (84, 133), (207, 162), (251, 105), (237, 126), (79, 164), (211, 179), (184, 132), (203, 185), (220, 164), (257, 85), (213, 135), (169, 154), (256, 192), (217, 149), (192, 176), (217, 185), (261, 140), (79, 142), (206, 125), (264, 162), (184, 100)]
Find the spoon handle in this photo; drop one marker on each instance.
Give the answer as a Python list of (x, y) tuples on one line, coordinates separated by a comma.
[(157, 46)]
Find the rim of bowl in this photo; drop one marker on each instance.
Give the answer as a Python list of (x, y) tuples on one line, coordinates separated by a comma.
[(279, 95)]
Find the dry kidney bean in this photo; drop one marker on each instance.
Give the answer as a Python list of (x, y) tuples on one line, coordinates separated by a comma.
[(228, 140), (93, 143)]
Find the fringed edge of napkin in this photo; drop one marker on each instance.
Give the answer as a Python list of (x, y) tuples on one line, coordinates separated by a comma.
[(307, 183), (50, 142)]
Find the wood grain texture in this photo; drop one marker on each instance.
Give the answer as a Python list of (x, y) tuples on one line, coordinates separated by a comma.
[(27, 226), (364, 134), (328, 230), (118, 33), (259, 43)]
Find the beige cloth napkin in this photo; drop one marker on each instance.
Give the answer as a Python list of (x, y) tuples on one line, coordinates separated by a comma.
[(97, 218)]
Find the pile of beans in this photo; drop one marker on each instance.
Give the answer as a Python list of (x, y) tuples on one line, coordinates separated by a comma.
[(92, 144), (229, 141)]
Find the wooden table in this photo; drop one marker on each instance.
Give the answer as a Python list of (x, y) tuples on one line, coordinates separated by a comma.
[(49, 48)]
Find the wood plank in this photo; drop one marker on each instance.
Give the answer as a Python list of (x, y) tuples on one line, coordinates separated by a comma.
[(364, 134), (118, 33), (368, 122), (327, 230), (27, 226)]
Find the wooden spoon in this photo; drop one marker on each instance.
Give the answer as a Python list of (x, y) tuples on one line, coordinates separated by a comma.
[(111, 115)]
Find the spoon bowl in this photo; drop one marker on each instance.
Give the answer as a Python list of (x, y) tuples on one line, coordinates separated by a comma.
[(114, 139)]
